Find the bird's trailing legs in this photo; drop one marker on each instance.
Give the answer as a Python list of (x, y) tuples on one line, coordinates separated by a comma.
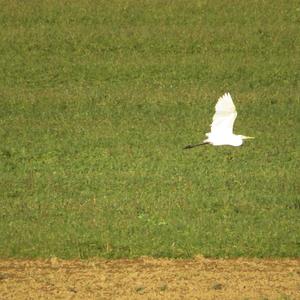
[(195, 145)]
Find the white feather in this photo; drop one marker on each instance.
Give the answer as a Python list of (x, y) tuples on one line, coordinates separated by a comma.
[(224, 117)]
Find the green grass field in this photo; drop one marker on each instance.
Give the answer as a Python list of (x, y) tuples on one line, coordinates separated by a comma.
[(97, 100)]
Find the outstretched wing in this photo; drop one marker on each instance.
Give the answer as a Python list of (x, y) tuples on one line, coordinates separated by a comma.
[(224, 116)]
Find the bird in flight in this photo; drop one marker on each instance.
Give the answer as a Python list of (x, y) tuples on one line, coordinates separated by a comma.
[(222, 126)]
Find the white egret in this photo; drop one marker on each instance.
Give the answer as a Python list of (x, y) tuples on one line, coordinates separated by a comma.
[(222, 125)]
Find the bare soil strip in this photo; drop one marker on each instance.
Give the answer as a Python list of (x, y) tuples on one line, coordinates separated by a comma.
[(148, 278)]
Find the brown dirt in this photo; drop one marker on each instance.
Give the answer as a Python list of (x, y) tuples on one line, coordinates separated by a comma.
[(148, 278)]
